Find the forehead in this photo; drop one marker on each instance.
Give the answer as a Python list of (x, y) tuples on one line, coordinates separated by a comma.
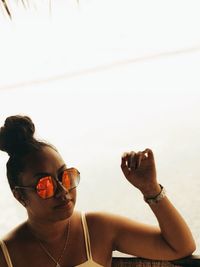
[(47, 160)]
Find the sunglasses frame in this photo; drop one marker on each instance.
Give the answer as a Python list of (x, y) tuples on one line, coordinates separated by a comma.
[(57, 182)]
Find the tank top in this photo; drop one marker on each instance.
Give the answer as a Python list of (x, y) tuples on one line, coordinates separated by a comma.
[(89, 263)]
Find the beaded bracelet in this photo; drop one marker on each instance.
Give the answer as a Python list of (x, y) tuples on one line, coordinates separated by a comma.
[(156, 199)]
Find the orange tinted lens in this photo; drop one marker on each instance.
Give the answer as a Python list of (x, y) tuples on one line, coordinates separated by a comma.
[(45, 187), (66, 180)]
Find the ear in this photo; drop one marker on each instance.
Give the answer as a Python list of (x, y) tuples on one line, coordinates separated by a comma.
[(19, 196)]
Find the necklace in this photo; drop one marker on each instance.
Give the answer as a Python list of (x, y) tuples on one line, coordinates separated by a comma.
[(63, 250)]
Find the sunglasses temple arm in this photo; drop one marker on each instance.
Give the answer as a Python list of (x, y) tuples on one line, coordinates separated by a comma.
[(24, 187)]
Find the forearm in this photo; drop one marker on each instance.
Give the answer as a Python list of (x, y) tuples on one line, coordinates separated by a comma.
[(139, 169), (173, 227)]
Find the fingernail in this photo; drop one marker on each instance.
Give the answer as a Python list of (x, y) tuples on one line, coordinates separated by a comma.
[(124, 155)]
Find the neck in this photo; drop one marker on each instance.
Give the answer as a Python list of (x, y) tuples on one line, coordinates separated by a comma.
[(48, 232)]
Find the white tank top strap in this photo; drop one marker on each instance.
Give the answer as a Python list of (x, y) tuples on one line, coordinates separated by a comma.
[(6, 253), (87, 236)]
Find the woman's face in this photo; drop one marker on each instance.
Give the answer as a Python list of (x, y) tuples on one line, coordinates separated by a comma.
[(58, 207)]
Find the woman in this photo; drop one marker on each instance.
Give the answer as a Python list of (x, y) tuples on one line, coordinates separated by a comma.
[(56, 235)]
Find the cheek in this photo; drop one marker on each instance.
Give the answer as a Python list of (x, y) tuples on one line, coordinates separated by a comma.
[(73, 195), (41, 208), (37, 205)]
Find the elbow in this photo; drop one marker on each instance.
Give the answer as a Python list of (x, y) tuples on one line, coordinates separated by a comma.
[(191, 249), (187, 251)]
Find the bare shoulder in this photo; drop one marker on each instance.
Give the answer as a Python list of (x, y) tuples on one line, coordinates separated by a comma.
[(110, 220), (108, 224), (118, 229), (101, 226), (102, 230), (101, 219), (102, 215), (16, 234), (12, 240)]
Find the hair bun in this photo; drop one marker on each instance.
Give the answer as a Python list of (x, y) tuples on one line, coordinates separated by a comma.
[(16, 132)]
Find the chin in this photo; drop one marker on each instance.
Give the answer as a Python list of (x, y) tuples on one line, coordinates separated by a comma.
[(63, 213)]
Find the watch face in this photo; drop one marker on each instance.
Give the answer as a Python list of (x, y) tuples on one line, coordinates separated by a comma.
[(157, 198)]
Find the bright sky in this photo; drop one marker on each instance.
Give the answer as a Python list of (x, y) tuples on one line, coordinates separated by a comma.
[(104, 77), (40, 43)]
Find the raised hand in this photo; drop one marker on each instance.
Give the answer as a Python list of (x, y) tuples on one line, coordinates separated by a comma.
[(139, 169)]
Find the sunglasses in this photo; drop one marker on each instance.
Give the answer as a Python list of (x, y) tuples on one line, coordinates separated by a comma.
[(46, 186)]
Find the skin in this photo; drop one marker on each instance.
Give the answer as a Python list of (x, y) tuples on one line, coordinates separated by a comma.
[(171, 240)]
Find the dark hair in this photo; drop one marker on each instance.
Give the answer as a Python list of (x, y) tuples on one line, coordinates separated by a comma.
[(17, 139)]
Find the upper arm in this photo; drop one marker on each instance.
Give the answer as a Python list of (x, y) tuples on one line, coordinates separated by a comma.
[(138, 239), (141, 240)]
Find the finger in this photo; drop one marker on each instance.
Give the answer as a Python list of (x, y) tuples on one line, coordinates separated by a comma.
[(124, 162), (125, 155), (139, 158), (132, 160), (149, 153)]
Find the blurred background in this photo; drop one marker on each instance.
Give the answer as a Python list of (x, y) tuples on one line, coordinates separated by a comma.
[(99, 78)]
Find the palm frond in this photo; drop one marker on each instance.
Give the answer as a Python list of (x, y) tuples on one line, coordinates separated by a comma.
[(25, 3), (6, 8)]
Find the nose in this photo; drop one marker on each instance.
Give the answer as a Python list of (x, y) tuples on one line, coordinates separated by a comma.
[(61, 190)]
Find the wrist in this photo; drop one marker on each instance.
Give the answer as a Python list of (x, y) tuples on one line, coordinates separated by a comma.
[(151, 191), (157, 198)]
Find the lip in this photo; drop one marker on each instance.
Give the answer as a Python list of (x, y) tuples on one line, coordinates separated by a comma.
[(64, 205)]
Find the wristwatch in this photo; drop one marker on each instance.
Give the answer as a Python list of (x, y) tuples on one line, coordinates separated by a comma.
[(157, 198)]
